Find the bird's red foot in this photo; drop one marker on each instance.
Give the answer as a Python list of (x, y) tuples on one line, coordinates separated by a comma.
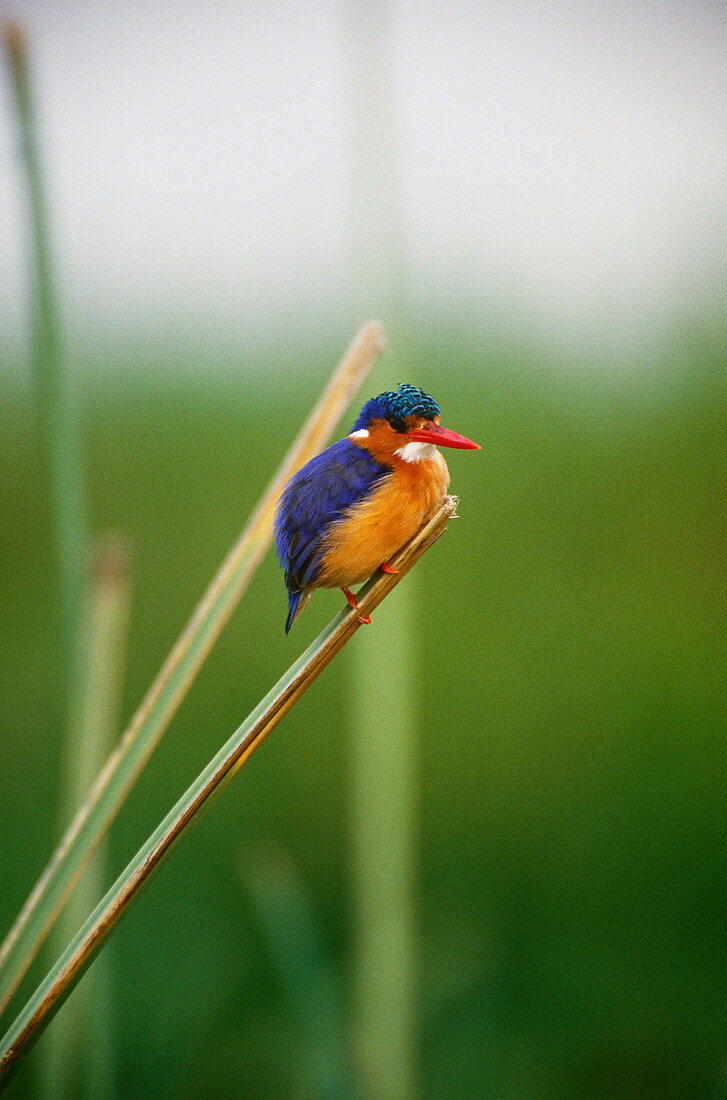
[(387, 568), (351, 599)]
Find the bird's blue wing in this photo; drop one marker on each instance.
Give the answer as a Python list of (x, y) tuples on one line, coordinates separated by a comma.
[(314, 498)]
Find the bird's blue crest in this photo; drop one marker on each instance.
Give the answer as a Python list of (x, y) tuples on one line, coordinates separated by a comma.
[(407, 401)]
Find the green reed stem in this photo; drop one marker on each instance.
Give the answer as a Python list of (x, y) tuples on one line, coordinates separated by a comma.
[(218, 773), (80, 1044), (171, 685), (57, 412)]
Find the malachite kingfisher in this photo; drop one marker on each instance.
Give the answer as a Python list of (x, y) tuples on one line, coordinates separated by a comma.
[(352, 507)]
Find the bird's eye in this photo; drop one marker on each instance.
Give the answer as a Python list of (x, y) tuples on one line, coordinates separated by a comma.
[(398, 424)]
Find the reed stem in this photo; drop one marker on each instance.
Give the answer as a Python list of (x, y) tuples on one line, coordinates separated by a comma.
[(177, 674), (80, 1045), (57, 413), (210, 783)]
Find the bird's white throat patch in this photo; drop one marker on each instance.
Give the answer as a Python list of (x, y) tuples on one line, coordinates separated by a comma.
[(418, 452), (360, 434)]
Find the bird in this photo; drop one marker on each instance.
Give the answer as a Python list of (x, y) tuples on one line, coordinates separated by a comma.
[(352, 507)]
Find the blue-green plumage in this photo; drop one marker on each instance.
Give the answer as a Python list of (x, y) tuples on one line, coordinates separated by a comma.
[(396, 407)]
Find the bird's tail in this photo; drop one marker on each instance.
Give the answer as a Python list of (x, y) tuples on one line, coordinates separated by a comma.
[(296, 603)]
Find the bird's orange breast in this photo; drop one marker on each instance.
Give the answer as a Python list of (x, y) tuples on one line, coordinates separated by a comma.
[(373, 530)]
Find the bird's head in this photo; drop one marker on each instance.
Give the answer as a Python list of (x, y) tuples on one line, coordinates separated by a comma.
[(391, 421)]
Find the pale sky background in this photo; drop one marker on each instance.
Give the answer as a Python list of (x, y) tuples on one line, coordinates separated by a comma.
[(559, 166)]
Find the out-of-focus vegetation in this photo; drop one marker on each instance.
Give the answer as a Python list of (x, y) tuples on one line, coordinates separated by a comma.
[(573, 734)]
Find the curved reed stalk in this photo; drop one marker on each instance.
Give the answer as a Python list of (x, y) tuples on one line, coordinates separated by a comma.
[(218, 773), (177, 674)]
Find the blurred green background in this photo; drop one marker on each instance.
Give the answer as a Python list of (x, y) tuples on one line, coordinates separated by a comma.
[(568, 653), (572, 701)]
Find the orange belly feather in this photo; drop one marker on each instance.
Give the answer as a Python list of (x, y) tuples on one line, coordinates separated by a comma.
[(373, 530)]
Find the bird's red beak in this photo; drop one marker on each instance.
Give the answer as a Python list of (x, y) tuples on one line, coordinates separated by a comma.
[(442, 437)]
